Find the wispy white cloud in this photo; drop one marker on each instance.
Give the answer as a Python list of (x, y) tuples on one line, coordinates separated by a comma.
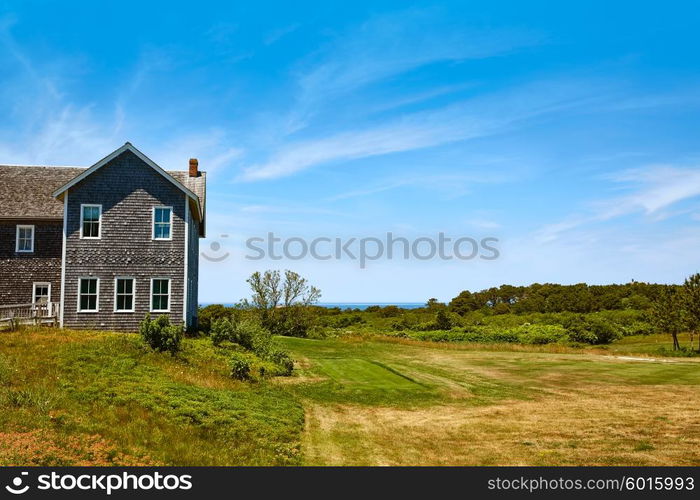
[(453, 185), (458, 122), (651, 190)]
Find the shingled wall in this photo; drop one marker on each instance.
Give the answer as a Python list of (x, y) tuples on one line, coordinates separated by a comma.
[(18, 271), (127, 189)]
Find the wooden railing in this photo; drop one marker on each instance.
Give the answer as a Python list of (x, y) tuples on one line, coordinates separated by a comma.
[(36, 313)]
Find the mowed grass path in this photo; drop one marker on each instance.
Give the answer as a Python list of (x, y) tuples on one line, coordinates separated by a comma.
[(379, 402)]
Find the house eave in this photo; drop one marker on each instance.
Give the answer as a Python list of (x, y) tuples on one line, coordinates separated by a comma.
[(58, 194), (30, 217)]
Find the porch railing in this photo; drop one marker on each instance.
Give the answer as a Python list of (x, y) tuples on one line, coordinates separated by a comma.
[(33, 313)]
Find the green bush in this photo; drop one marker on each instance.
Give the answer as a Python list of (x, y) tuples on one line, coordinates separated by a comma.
[(221, 330), (246, 333), (283, 360), (443, 320), (541, 334), (637, 328), (406, 322), (592, 330), (346, 321), (240, 366), (206, 316), (160, 335)]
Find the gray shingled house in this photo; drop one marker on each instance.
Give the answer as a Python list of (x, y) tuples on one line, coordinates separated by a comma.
[(103, 245)]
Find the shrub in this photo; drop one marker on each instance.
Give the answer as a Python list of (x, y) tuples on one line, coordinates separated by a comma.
[(592, 330), (160, 335), (541, 334), (406, 322), (240, 366), (317, 332), (637, 328), (221, 330), (206, 316), (605, 332), (283, 360), (345, 321), (443, 320)]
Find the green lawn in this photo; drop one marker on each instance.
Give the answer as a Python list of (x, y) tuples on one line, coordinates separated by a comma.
[(89, 398)]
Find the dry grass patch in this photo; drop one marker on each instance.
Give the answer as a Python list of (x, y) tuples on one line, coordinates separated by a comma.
[(603, 425), (43, 447)]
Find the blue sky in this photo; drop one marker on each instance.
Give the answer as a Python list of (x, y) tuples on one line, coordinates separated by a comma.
[(569, 131)]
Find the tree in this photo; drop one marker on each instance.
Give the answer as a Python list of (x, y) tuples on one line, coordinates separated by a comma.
[(691, 299), (464, 303), (434, 304), (667, 313), (283, 304)]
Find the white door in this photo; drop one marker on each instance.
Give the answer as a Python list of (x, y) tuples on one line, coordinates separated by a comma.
[(41, 297)]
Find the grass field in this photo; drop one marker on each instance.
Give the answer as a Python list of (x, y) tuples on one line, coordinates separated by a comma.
[(102, 398), (419, 403)]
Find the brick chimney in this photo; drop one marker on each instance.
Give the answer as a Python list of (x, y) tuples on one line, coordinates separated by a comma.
[(194, 167)]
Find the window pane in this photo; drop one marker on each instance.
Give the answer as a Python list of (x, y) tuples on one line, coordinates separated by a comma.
[(128, 286), (163, 302), (84, 302), (128, 302), (164, 286), (92, 301), (120, 286), (84, 285), (92, 285), (91, 214)]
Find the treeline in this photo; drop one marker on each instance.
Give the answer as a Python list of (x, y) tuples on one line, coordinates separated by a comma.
[(553, 298)]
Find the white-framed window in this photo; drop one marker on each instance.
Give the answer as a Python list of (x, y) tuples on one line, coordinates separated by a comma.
[(162, 223), (160, 294), (41, 293), (124, 294), (90, 221), (25, 239), (88, 294)]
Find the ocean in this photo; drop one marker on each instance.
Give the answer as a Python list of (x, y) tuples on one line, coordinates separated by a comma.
[(355, 305)]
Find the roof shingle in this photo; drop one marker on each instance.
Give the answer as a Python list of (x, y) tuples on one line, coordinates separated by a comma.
[(25, 192)]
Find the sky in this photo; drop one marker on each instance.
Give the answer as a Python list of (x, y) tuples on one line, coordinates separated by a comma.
[(567, 131)]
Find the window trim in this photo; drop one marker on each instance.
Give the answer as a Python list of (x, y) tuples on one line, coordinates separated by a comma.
[(97, 300), (41, 283), (24, 226), (99, 222), (133, 294), (170, 295), (153, 223)]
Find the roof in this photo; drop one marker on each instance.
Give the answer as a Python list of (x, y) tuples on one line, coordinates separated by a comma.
[(36, 191), (26, 191)]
